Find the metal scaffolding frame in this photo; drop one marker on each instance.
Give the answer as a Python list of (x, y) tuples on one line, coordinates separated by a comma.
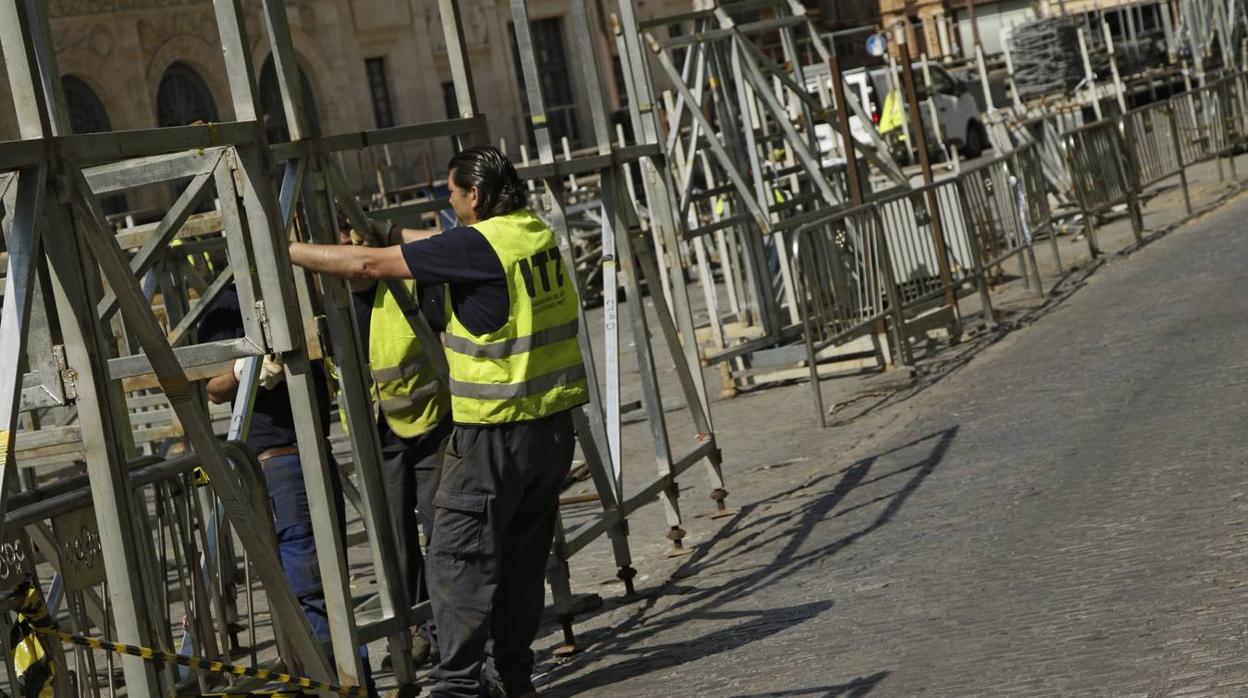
[(626, 250), (98, 344), (98, 358), (741, 141), (59, 238)]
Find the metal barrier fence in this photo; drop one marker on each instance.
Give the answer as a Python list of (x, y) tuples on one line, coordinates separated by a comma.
[(879, 265), (1032, 192), (846, 286), (1155, 145), (915, 263), (1101, 175), (1206, 117), (1112, 162), (997, 216), (876, 268)]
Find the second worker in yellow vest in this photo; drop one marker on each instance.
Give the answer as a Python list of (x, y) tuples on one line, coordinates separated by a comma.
[(515, 376), (413, 425)]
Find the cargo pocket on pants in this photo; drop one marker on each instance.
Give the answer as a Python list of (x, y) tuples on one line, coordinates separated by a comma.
[(460, 519)]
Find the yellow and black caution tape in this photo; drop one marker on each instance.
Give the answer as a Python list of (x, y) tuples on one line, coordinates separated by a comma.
[(35, 669), (36, 615)]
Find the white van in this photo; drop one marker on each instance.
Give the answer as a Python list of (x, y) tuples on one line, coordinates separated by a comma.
[(956, 109)]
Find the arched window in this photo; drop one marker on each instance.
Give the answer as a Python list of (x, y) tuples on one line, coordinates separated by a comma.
[(86, 111), (183, 97), (275, 113), (87, 115)]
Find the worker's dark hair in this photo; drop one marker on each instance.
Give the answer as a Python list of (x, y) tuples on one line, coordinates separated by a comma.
[(499, 188)]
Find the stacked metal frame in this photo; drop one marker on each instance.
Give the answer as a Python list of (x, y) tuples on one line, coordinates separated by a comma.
[(106, 318), (60, 242), (632, 257), (741, 140), (872, 265), (1210, 32)]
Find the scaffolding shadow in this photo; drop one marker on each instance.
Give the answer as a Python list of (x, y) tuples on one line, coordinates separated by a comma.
[(851, 689), (638, 644)]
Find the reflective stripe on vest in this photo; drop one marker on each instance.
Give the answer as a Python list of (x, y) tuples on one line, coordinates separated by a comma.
[(405, 386), (531, 366), (511, 391), (398, 373), (395, 405), (518, 345)]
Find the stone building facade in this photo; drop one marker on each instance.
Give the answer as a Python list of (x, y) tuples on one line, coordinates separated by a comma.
[(849, 22), (131, 64), (942, 28), (927, 24)]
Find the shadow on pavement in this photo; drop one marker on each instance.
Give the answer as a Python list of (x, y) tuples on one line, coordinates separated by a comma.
[(858, 687), (784, 540)]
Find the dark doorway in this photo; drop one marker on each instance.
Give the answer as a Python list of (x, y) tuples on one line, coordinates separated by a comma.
[(553, 78), (275, 125), (182, 98), (87, 115)]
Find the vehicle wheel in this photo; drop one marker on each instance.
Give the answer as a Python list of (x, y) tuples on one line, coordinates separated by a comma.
[(975, 140), (901, 154)]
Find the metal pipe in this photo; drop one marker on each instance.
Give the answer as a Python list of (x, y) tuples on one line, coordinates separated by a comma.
[(843, 125), (933, 206), (66, 499)]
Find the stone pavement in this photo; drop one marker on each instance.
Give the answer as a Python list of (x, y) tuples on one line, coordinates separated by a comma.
[(1057, 510)]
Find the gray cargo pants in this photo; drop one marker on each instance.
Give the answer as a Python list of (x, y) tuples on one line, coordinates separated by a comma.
[(494, 517), (411, 468)]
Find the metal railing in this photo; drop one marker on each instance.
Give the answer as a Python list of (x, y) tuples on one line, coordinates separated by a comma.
[(1154, 142), (1102, 176), (846, 287), (875, 270)]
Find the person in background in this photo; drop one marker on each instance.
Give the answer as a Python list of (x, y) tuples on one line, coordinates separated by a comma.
[(271, 438), (516, 374), (413, 422)]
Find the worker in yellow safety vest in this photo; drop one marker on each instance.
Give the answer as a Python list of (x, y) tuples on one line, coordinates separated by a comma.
[(893, 115), (515, 376), (413, 424)]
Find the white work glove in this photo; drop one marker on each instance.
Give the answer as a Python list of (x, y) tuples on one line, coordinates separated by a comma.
[(271, 372)]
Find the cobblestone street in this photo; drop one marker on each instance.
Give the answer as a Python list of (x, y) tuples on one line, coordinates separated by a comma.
[(1062, 514)]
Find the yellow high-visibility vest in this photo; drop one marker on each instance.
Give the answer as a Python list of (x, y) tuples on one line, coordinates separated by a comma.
[(531, 366), (406, 389), (893, 113), (190, 258)]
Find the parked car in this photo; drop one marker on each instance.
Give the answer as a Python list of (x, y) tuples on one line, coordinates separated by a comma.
[(956, 110)]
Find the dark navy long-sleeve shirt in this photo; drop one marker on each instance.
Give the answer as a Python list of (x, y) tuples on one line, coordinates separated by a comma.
[(462, 259)]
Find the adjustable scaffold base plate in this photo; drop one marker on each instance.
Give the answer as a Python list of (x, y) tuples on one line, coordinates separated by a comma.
[(680, 551)]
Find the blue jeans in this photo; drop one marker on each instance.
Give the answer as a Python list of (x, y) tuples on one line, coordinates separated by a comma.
[(296, 544)]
